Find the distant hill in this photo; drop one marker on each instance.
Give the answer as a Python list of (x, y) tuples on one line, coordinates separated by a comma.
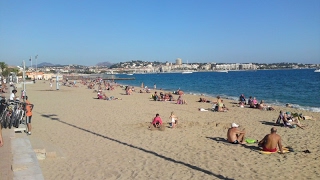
[(108, 64), (46, 64)]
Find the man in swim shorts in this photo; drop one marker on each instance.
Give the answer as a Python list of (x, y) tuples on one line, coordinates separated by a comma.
[(270, 142), (235, 135)]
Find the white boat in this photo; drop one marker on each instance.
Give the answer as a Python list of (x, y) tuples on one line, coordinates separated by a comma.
[(186, 71), (223, 71), (317, 70), (129, 74)]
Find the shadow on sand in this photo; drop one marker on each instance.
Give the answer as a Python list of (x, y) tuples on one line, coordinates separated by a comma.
[(218, 176)]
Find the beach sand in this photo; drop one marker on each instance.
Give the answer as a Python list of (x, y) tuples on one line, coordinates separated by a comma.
[(89, 138)]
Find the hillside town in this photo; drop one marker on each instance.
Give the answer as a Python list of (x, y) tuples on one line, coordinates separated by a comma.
[(47, 71)]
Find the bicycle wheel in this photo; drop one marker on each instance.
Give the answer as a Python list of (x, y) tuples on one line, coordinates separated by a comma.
[(6, 121), (2, 119), (10, 121)]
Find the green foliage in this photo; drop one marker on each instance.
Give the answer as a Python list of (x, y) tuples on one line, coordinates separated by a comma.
[(3, 67)]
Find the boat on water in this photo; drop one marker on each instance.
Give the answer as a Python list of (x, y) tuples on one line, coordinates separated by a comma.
[(186, 72), (317, 70), (223, 71), (129, 74)]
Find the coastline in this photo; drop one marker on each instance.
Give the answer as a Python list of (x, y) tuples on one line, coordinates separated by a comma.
[(274, 87), (110, 140)]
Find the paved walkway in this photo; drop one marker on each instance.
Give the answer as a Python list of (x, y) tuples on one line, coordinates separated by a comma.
[(18, 160), (6, 156)]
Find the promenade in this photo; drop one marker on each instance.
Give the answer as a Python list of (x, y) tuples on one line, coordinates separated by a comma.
[(18, 159)]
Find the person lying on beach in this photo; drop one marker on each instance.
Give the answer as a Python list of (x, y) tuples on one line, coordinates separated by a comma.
[(202, 100), (235, 135), (270, 142), (263, 106), (174, 120), (157, 121), (290, 121)]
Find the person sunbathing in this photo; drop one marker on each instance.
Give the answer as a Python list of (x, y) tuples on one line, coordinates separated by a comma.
[(270, 142), (235, 135), (202, 100), (181, 101), (290, 121), (254, 103)]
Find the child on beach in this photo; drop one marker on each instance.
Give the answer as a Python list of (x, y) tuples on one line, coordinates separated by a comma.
[(174, 119)]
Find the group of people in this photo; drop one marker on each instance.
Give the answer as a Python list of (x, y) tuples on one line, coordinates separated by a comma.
[(253, 103), (28, 108), (157, 121), (288, 120), (269, 143), (219, 106)]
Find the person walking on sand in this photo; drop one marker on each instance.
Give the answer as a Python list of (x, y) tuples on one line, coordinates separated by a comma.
[(174, 119), (270, 142), (235, 135), (29, 108)]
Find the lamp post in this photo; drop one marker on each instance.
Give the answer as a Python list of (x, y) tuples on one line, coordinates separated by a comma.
[(36, 57), (24, 81), (57, 80)]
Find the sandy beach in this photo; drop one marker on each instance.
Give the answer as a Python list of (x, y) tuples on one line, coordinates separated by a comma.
[(100, 139)]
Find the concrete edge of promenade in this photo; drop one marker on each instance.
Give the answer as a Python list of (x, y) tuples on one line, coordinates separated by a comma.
[(19, 158)]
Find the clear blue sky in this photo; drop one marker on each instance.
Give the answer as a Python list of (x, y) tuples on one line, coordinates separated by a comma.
[(87, 32)]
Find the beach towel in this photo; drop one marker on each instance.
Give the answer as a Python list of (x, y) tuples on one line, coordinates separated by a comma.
[(285, 150)]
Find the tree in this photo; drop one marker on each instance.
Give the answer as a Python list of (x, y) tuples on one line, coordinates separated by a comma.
[(3, 66)]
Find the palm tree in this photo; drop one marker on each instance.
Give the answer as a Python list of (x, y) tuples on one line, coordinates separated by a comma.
[(3, 66)]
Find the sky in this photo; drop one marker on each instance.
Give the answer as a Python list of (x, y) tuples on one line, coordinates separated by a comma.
[(88, 32)]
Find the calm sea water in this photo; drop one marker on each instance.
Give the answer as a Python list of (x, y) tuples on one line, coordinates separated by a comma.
[(301, 88)]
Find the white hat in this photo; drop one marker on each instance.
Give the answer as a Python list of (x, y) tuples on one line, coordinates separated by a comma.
[(234, 125)]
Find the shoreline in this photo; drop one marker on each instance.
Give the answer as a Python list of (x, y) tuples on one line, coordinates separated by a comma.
[(234, 98)]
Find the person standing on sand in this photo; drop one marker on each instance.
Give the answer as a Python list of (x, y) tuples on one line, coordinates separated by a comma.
[(1, 139), (154, 86), (270, 142), (50, 84), (234, 135), (174, 119), (29, 108)]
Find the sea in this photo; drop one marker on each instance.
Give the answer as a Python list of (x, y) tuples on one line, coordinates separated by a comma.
[(297, 87)]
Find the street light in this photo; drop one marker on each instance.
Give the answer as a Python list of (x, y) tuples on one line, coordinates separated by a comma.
[(36, 57)]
